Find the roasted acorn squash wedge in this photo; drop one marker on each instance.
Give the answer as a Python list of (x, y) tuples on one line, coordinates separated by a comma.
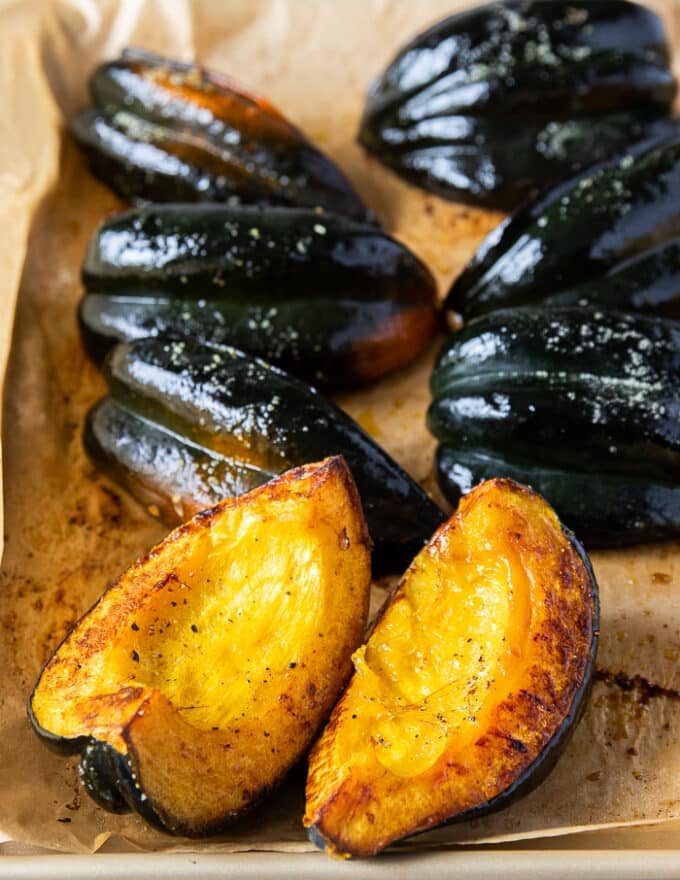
[(167, 131), (332, 300), (498, 101), (205, 251), (201, 675), (595, 223), (187, 424), (581, 404), (469, 685)]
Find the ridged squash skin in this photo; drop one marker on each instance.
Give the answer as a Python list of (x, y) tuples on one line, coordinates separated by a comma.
[(165, 131), (579, 403), (188, 424), (498, 101), (613, 226), (647, 282), (201, 675), (470, 683), (334, 301)]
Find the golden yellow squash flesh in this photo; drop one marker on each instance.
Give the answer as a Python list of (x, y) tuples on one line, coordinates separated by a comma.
[(202, 675), (470, 682)]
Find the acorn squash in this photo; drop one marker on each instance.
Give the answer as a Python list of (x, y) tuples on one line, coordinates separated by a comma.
[(201, 675), (498, 101), (614, 217), (187, 424), (165, 131), (470, 684), (581, 404), (332, 300)]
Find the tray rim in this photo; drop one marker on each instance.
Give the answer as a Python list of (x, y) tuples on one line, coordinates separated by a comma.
[(473, 864)]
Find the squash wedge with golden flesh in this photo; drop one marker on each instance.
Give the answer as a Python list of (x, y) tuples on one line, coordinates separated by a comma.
[(470, 683), (203, 673)]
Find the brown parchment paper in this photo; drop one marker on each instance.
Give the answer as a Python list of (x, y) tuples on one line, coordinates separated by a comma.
[(68, 532)]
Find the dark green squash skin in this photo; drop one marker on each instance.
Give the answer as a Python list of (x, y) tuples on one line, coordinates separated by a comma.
[(603, 507), (163, 130), (101, 771), (647, 282), (544, 763), (110, 781), (580, 230), (496, 102), (584, 56), (488, 162), (318, 340), (180, 412), (133, 167), (138, 453), (334, 301), (580, 404), (267, 255), (105, 773)]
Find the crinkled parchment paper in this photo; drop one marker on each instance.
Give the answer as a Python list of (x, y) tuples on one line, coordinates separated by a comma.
[(68, 532)]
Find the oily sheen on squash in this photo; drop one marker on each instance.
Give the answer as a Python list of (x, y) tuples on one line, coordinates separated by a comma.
[(187, 424), (502, 99), (606, 236), (165, 131), (581, 404), (334, 301), (202, 674), (469, 685)]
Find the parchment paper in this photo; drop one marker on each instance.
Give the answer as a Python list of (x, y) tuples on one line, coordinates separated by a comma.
[(68, 532)]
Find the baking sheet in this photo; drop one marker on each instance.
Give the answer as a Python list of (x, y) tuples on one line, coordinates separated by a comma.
[(69, 532)]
